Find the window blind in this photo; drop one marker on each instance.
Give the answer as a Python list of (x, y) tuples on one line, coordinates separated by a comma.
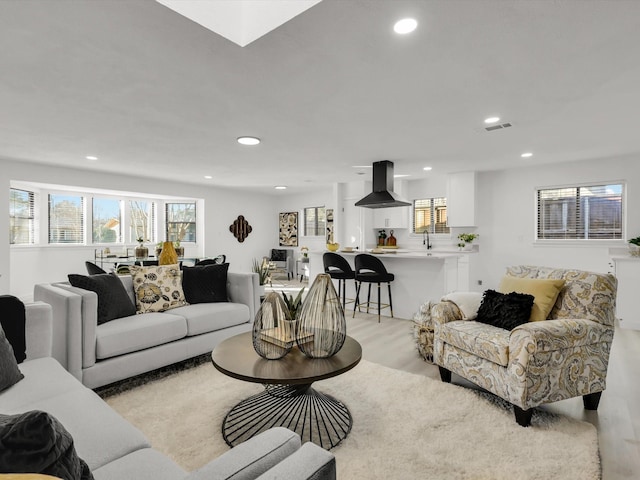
[(430, 215), (582, 212), (66, 219), (22, 229)]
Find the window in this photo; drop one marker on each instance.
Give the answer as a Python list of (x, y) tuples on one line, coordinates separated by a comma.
[(21, 217), (107, 220), (430, 215), (314, 221), (181, 222), (580, 213), (66, 219), (142, 218)]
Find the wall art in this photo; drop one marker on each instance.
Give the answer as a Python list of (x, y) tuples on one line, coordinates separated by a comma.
[(289, 229)]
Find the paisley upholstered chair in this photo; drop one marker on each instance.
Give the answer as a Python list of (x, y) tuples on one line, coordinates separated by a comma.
[(538, 362)]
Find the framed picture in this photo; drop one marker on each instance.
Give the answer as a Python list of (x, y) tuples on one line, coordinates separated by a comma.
[(329, 233), (289, 229)]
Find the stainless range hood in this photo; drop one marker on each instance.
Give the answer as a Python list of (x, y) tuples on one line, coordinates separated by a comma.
[(382, 195)]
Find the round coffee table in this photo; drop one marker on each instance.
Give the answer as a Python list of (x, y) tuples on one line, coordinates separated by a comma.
[(288, 399)]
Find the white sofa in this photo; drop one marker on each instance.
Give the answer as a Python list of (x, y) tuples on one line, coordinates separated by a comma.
[(98, 355), (115, 449)]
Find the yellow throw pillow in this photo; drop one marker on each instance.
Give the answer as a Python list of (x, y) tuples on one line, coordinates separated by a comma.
[(544, 290)]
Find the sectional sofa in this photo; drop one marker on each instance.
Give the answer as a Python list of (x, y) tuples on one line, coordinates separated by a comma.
[(114, 449), (100, 354)]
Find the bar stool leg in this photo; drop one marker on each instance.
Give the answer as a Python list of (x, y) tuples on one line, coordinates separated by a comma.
[(390, 302), (368, 297), (356, 304), (379, 302)]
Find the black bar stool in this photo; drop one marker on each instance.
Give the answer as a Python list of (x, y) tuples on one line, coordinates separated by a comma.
[(339, 269), (370, 269)]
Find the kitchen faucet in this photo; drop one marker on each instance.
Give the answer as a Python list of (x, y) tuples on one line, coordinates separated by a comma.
[(425, 240)]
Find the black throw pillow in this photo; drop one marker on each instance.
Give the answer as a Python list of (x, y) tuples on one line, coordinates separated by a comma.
[(12, 321), (505, 310), (36, 442), (10, 374), (205, 284), (113, 301)]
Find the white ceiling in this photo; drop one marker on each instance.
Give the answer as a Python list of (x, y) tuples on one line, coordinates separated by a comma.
[(149, 91)]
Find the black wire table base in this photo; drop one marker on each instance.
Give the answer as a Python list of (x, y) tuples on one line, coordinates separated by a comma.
[(315, 416)]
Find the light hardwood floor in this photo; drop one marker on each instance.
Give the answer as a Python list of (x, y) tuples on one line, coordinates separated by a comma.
[(391, 343)]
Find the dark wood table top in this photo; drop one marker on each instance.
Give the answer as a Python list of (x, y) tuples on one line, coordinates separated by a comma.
[(237, 358)]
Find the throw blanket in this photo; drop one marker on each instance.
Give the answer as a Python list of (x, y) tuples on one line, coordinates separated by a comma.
[(467, 302), (12, 320)]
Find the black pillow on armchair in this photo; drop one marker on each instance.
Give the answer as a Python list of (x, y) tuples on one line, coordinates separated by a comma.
[(36, 442), (505, 310), (12, 321)]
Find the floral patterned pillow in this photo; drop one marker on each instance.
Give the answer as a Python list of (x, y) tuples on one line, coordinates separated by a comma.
[(157, 288)]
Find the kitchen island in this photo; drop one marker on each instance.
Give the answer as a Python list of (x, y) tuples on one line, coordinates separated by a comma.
[(420, 276)]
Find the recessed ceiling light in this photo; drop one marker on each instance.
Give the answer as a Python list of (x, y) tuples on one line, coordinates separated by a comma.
[(248, 140), (404, 26), (208, 177), (280, 187), (492, 120), (91, 157), (427, 169), (527, 155)]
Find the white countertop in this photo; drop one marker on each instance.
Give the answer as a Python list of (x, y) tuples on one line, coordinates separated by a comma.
[(403, 253)]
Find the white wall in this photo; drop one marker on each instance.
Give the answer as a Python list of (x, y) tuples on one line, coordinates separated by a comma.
[(22, 267), (297, 203), (506, 217)]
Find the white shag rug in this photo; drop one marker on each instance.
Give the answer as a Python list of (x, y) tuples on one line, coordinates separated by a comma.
[(404, 426)]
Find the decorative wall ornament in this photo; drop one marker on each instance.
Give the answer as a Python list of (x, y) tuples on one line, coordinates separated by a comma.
[(289, 229), (321, 328), (240, 228)]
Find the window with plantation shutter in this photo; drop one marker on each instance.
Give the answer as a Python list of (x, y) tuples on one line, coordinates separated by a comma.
[(430, 215), (21, 217), (593, 212), (181, 222), (314, 221), (66, 219)]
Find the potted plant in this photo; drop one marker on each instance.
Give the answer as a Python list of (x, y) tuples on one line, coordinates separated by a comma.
[(293, 304), (466, 239), (262, 269), (179, 249), (634, 247), (141, 250)]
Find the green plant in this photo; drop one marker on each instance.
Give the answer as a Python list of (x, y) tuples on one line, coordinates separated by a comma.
[(468, 237), (635, 241), (262, 269), (293, 304)]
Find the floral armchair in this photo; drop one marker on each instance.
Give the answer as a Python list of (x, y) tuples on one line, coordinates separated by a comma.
[(539, 362)]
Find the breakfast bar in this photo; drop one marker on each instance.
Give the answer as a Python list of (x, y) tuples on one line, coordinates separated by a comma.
[(420, 276)]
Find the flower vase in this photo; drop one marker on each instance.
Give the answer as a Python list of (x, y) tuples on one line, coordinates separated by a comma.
[(141, 252), (273, 330), (168, 256), (321, 328)]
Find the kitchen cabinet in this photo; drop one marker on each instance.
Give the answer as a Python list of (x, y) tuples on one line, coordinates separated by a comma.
[(461, 199), (627, 271), (396, 217)]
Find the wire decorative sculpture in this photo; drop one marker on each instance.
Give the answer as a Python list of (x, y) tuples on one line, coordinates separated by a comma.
[(321, 328), (273, 330)]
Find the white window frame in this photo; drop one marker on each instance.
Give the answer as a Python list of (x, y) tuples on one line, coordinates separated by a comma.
[(575, 240), (32, 224), (320, 227), (432, 231)]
